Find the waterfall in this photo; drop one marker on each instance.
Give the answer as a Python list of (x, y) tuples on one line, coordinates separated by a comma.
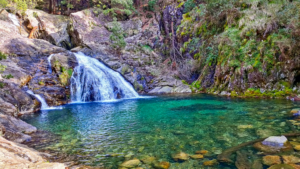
[(94, 81), (14, 19), (49, 62), (40, 98)]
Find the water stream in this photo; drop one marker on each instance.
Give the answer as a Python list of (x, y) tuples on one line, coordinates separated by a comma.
[(14, 19), (43, 102), (94, 81)]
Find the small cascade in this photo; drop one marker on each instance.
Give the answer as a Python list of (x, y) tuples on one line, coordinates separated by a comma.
[(14, 19), (49, 62), (94, 81), (40, 98)]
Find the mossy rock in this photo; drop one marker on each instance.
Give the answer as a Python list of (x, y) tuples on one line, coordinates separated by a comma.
[(281, 166)]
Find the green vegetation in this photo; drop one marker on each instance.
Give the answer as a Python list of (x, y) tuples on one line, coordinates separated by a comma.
[(9, 76), (2, 56), (117, 36), (243, 36), (65, 75), (3, 3), (119, 6)]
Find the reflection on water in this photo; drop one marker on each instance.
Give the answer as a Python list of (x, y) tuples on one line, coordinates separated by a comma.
[(108, 133)]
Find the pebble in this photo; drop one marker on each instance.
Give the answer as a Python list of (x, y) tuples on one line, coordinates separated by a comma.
[(131, 163), (290, 159), (271, 160), (210, 163), (201, 152), (197, 156), (180, 157)]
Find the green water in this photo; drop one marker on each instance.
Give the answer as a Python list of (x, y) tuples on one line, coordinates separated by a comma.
[(160, 127)]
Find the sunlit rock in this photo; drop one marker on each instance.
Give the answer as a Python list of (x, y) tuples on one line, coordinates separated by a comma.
[(271, 160)]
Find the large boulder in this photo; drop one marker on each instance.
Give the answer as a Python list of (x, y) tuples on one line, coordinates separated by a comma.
[(88, 27), (56, 27), (15, 156), (15, 129)]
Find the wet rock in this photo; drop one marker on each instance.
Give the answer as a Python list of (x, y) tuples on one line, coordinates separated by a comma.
[(295, 112), (180, 157), (15, 129), (131, 163), (275, 141), (257, 164), (245, 126), (197, 156), (281, 166), (201, 152), (272, 149), (242, 161), (148, 160), (271, 160), (290, 159), (161, 165), (210, 163)]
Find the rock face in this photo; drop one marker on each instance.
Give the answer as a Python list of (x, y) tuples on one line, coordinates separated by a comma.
[(138, 63), (56, 27), (27, 68), (15, 156)]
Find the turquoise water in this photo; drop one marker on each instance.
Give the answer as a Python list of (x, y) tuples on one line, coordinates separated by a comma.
[(107, 134)]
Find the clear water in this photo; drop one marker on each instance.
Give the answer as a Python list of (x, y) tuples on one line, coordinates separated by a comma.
[(160, 127)]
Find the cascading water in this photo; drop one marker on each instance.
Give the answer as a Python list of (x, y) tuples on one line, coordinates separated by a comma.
[(49, 62), (93, 81), (14, 19), (44, 105)]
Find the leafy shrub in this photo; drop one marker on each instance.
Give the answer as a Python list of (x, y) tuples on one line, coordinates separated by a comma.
[(3, 3), (65, 75), (117, 36), (9, 76)]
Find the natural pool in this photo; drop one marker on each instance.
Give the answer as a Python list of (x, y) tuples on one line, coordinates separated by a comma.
[(106, 134)]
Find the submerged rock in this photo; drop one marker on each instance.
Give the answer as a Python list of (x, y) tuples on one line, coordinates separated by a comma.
[(131, 163), (201, 152), (197, 156), (180, 157), (210, 163), (290, 159), (161, 165), (272, 149), (271, 160), (148, 160), (281, 166), (275, 141)]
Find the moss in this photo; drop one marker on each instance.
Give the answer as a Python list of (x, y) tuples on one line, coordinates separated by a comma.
[(65, 76)]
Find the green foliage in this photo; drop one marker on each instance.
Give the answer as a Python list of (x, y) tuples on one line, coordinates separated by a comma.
[(2, 85), (2, 56), (3, 3), (9, 76), (123, 6), (65, 75), (151, 4), (117, 36), (188, 6), (21, 6)]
